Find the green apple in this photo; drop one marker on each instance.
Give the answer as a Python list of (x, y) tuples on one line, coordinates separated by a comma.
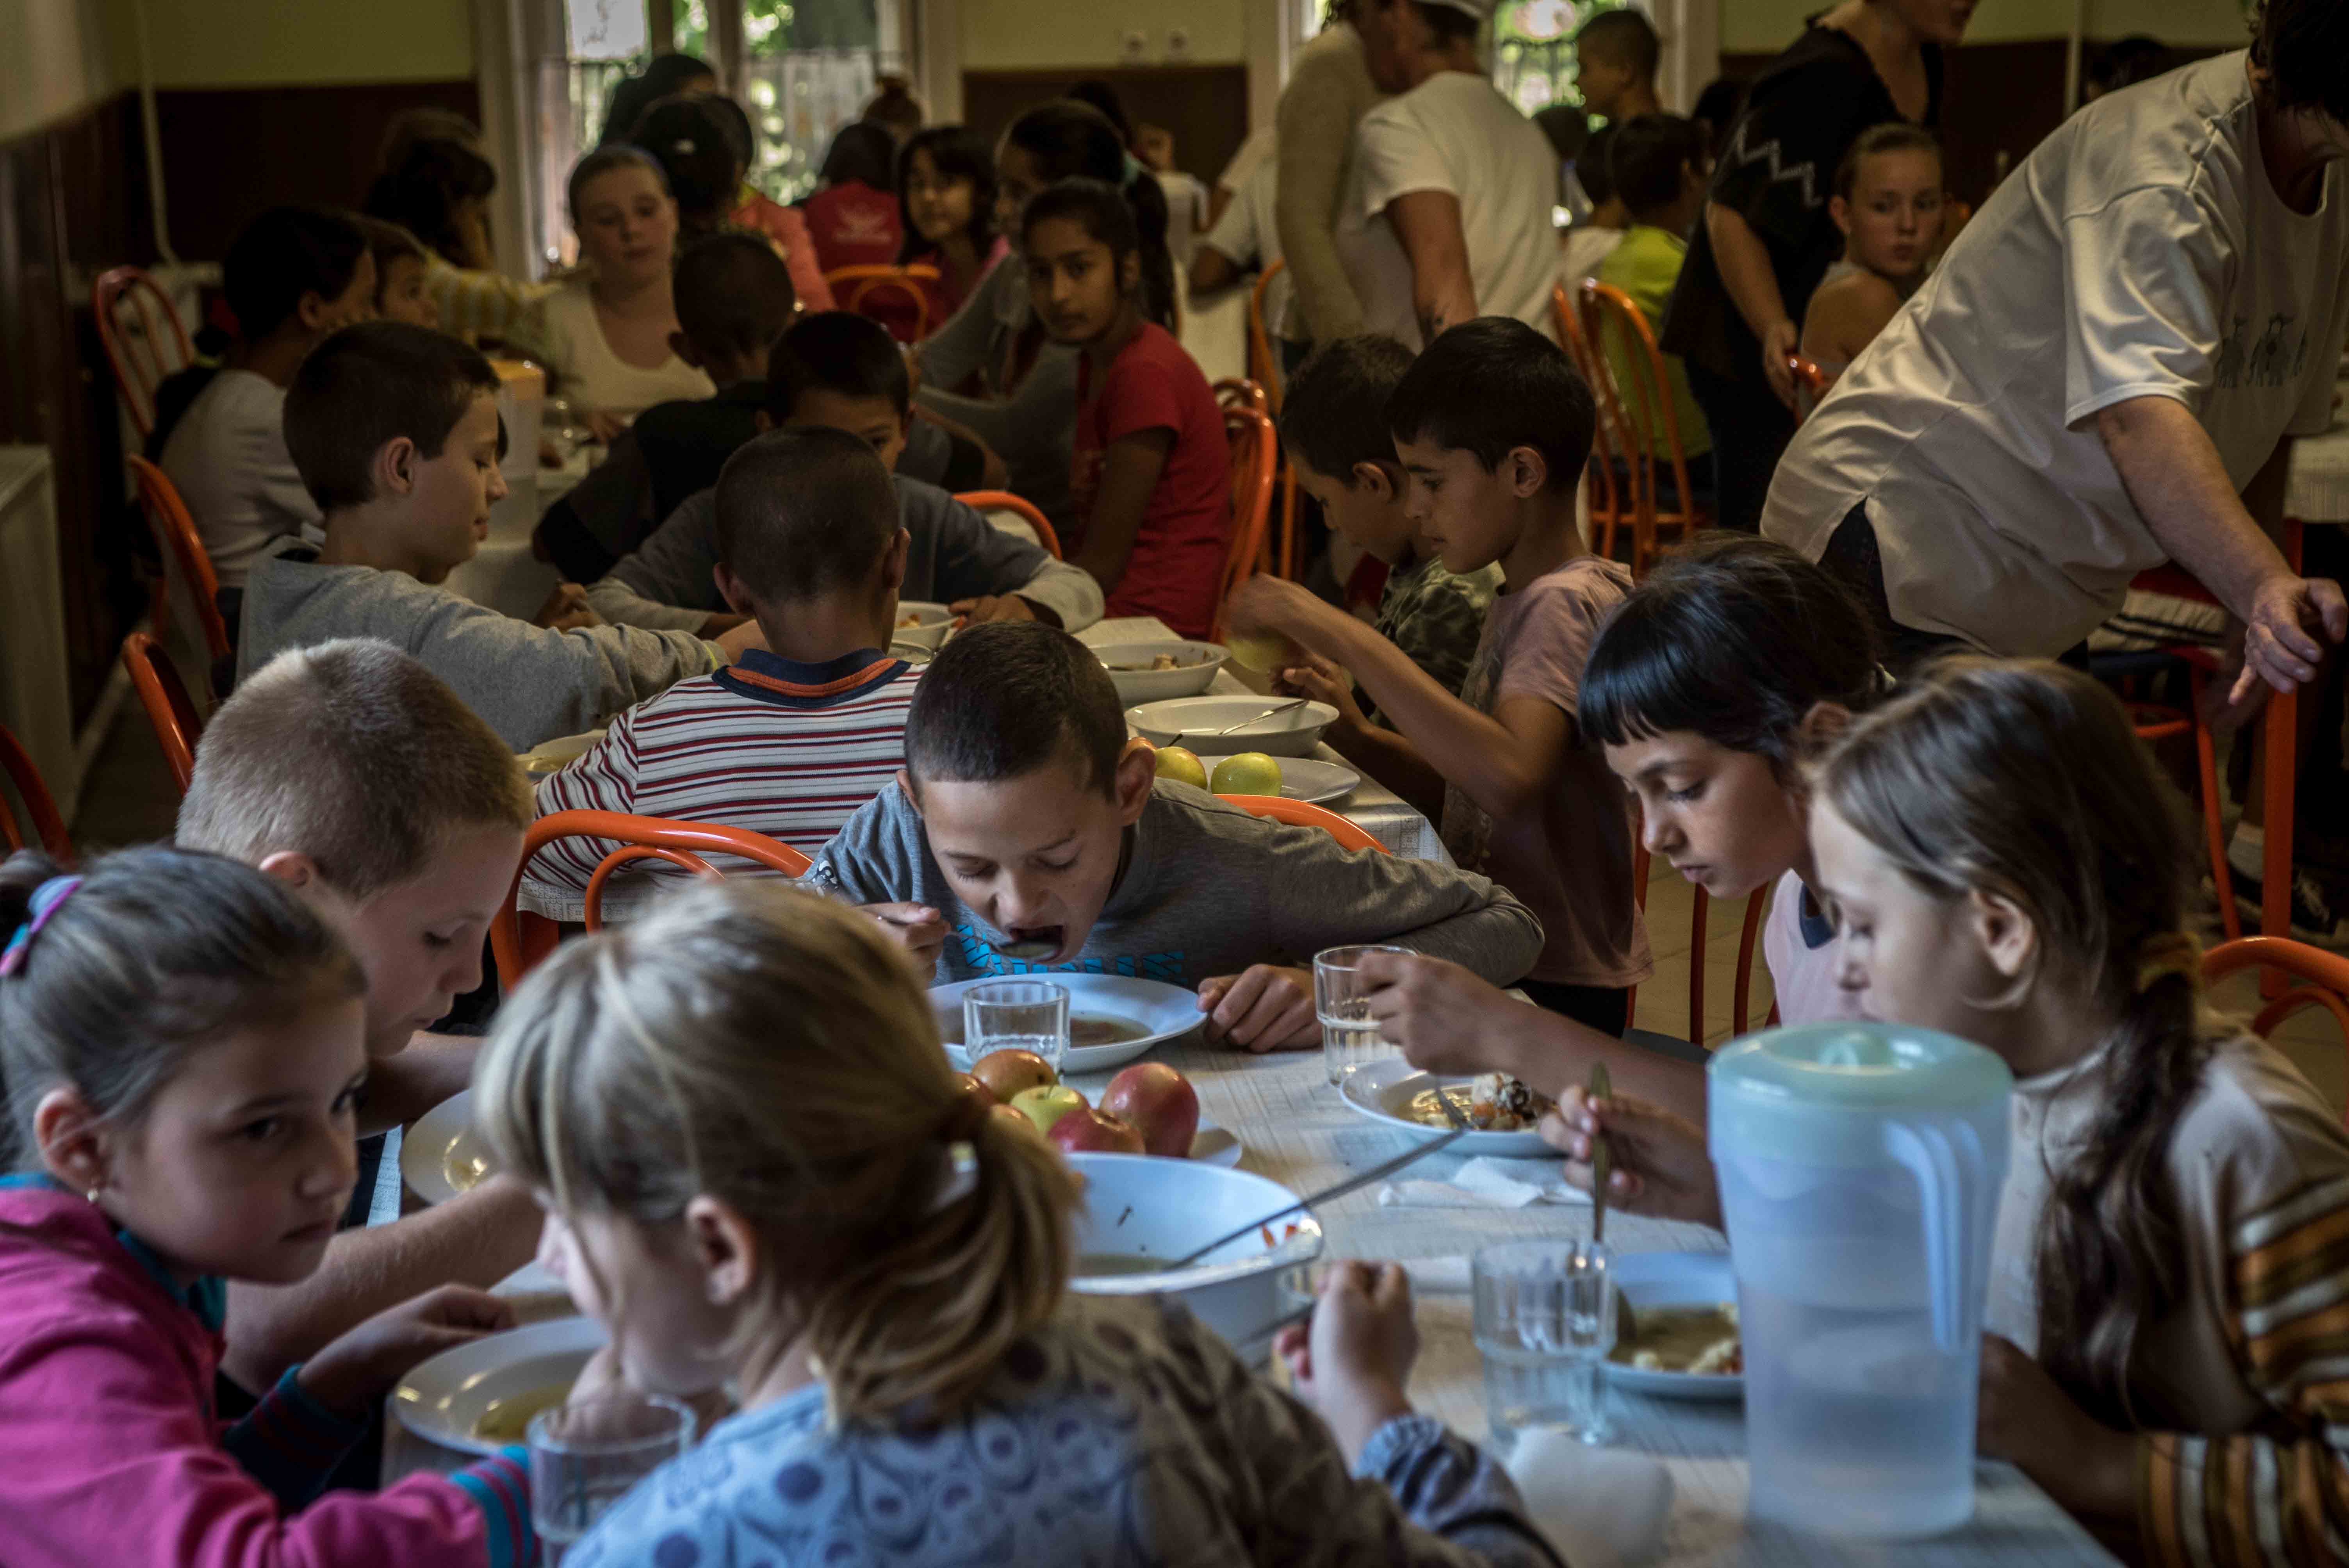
[(1249, 773), (1182, 765), (1046, 1105)]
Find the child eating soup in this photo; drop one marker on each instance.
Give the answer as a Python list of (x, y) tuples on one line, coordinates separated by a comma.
[(183, 1045), (1888, 202), (761, 1174), (2008, 865)]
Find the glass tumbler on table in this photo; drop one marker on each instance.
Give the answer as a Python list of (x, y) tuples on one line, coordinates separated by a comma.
[(1350, 1036), (584, 1456), (1545, 1321), (1015, 1015)]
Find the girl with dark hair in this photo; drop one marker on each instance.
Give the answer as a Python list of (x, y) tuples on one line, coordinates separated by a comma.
[(436, 182), (993, 367), (703, 145), (853, 216), (665, 76), (1152, 469), (945, 209)]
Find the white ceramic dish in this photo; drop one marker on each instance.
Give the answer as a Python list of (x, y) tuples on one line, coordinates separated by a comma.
[(913, 653), (1138, 1206), (554, 756), (1383, 1091), (444, 1401), (932, 623), (1192, 722), (1199, 662), (1164, 1012), (439, 1155), (1676, 1279), (1306, 779)]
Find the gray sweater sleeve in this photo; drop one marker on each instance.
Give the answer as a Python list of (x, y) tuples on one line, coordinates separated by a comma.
[(969, 556), (1316, 136), (666, 582), (957, 349), (1031, 430)]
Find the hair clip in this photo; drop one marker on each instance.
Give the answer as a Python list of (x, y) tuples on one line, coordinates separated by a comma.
[(45, 901)]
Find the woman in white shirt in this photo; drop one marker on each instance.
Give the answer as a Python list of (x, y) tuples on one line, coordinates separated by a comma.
[(606, 336)]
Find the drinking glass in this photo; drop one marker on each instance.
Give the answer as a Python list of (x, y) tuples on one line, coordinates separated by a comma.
[(584, 1456), (1015, 1015), (1545, 1321), (1350, 1036)]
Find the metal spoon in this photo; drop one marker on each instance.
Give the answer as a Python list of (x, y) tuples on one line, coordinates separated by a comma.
[(1259, 718), (1026, 950)]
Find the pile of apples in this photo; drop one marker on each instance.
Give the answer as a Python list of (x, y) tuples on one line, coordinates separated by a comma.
[(1148, 1108)]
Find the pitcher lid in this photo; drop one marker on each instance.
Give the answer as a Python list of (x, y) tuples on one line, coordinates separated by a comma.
[(1858, 1066)]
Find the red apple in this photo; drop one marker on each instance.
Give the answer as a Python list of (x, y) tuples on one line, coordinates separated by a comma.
[(1008, 1073), (1159, 1100), (1091, 1132), (1050, 1105), (1011, 1115)]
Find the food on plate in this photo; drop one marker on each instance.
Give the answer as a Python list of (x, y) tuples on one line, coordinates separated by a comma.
[(1247, 773), (1085, 1130), (466, 1165), (1160, 1102), (1491, 1102), (1700, 1340), (1162, 662), (1103, 1029), (1182, 764), (1265, 650), (910, 618), (508, 1420), (1006, 1074), (1047, 1106)]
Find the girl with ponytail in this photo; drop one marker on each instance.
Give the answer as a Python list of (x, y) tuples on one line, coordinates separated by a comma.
[(760, 1173)]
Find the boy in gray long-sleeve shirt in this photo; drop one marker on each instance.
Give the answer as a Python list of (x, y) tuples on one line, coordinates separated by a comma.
[(395, 431), (1025, 815)]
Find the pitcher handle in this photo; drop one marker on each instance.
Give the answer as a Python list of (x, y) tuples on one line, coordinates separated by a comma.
[(1946, 1171)]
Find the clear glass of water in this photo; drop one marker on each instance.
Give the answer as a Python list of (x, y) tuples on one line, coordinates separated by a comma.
[(1350, 1036), (1015, 1015), (1545, 1321), (584, 1456)]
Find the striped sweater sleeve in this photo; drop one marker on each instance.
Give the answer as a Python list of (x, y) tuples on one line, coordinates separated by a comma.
[(2276, 1496), (289, 1442)]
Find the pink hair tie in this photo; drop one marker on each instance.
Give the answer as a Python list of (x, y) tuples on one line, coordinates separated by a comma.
[(45, 899)]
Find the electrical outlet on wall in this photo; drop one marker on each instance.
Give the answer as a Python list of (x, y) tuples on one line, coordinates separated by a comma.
[(1178, 44), (1136, 47)]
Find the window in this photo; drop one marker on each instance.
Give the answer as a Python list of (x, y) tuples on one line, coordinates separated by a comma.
[(1533, 49)]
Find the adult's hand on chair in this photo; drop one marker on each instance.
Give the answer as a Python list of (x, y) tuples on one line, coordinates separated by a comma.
[(1779, 341), (2292, 619)]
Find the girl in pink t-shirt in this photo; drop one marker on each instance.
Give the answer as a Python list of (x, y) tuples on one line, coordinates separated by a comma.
[(1150, 476)]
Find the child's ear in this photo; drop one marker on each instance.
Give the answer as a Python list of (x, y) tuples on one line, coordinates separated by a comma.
[(72, 1140), (1822, 727), (1526, 470), (762, 421), (1129, 276), (396, 465), (893, 561), (1375, 478), (2009, 939), (311, 311), (1840, 210), (1137, 771), (724, 1248)]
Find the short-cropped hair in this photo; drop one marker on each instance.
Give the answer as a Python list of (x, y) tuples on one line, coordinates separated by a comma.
[(1334, 412), (1648, 155), (282, 255), (840, 352), (804, 515), (1008, 698), (1490, 386), (354, 754), (1622, 37), (373, 383), (733, 295)]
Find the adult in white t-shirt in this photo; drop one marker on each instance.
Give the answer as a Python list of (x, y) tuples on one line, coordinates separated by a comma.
[(2101, 371), (1448, 216)]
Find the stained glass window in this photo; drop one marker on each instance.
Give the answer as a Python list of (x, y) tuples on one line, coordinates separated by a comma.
[(1533, 49)]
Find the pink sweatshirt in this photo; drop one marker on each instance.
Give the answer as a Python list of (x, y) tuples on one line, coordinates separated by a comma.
[(110, 1452)]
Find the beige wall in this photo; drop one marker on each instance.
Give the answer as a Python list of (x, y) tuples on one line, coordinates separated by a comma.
[(1766, 25), (261, 43), (1044, 34), (53, 60)]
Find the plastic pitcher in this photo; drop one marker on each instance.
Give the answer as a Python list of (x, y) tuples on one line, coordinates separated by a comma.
[(1860, 1169)]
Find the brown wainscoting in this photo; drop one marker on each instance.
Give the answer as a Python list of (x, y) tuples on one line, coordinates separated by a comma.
[(1206, 107), (231, 152)]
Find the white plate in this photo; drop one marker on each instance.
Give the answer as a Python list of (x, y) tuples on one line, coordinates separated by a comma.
[(1201, 661), (442, 1400), (1166, 1011), (440, 1155), (932, 623), (554, 756), (1213, 1145), (1384, 1092), (1675, 1279), (1306, 779), (1192, 722)]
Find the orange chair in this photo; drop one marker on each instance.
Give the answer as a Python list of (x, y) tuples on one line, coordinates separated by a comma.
[(985, 502), (851, 286), (1254, 449), (1609, 505), (1279, 809), (1239, 392), (1749, 938), (178, 544), (1646, 406), (1264, 363), (178, 725), (41, 825), (1811, 383), (143, 350), (2324, 977), (519, 940), (1281, 555)]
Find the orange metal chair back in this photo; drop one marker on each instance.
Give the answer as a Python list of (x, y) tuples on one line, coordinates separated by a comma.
[(1239, 392), (851, 286), (1254, 448), (178, 725), (985, 502), (1264, 365), (1609, 504), (179, 546), (518, 940), (41, 826), (1279, 809), (1811, 383), (142, 336), (1282, 554), (1646, 404), (2323, 977)]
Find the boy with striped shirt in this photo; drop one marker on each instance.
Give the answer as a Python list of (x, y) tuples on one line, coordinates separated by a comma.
[(791, 741)]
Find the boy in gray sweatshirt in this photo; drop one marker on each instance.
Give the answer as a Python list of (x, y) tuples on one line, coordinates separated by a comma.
[(395, 431), (1025, 815)]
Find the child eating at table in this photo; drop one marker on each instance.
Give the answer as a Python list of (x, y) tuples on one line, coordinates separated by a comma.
[(2008, 864), (799, 734), (1492, 425), (760, 1174), (396, 432), (1888, 202), (842, 372), (1025, 815), (399, 263), (354, 777), (1150, 476), (183, 1045)]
